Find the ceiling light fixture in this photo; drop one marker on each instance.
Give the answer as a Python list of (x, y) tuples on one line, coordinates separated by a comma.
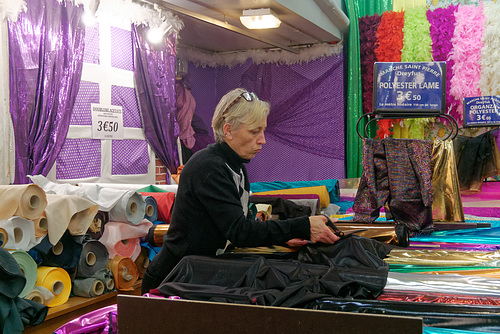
[(263, 18), (155, 35)]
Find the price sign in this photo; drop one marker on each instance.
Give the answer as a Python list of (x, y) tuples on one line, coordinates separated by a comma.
[(482, 111), (410, 88), (107, 121)]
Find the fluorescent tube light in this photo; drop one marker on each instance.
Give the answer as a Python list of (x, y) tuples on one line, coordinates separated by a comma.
[(263, 18)]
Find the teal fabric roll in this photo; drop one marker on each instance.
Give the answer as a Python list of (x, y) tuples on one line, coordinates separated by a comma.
[(332, 185)]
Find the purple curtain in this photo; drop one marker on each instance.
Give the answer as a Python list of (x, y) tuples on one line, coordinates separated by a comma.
[(306, 113), (154, 70), (45, 63)]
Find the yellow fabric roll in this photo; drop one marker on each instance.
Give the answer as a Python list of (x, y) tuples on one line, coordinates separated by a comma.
[(23, 200), (321, 191), (57, 281)]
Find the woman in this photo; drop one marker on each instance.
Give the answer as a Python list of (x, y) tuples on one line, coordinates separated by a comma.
[(211, 205)]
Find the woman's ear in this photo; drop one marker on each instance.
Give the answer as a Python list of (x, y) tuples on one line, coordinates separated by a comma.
[(227, 131)]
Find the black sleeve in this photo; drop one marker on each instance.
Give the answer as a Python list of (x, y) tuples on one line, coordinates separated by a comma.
[(220, 198)]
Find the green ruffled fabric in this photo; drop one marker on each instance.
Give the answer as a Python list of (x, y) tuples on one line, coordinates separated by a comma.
[(417, 46)]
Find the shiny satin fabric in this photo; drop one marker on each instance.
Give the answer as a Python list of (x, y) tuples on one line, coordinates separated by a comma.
[(482, 318), (429, 297), (446, 199), (102, 320), (393, 234), (426, 257), (445, 283), (490, 272), (156, 233)]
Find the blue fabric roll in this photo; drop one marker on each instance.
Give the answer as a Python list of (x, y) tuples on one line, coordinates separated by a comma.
[(151, 208)]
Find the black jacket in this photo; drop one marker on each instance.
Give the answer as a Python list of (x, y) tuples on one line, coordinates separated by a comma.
[(207, 212)]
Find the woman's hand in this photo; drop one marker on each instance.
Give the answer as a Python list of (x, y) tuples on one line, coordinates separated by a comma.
[(320, 232), (296, 242)]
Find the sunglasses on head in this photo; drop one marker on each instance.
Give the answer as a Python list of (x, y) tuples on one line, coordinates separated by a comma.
[(248, 96)]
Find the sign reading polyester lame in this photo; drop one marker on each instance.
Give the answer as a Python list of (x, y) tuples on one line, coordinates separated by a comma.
[(482, 111), (409, 86), (107, 121)]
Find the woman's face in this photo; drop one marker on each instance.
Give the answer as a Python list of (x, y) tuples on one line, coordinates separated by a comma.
[(246, 141)]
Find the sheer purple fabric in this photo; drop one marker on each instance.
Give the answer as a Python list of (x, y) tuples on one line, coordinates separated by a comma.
[(45, 63), (302, 113), (154, 70)]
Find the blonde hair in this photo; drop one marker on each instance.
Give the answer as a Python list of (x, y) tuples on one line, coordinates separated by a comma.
[(237, 113)]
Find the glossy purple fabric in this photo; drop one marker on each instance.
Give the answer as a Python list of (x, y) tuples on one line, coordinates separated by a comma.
[(154, 70), (45, 63), (100, 321)]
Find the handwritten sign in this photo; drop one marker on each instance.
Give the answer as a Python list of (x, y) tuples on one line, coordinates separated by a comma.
[(107, 121)]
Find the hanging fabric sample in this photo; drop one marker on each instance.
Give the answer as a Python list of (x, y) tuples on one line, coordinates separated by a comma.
[(396, 172), (446, 199)]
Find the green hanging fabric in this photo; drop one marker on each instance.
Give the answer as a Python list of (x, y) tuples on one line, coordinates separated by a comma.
[(373, 7), (354, 103), (355, 10)]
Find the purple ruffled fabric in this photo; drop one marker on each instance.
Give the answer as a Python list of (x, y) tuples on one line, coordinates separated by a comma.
[(368, 26), (442, 26)]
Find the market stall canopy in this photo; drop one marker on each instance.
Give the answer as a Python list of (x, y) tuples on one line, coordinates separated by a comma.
[(214, 25)]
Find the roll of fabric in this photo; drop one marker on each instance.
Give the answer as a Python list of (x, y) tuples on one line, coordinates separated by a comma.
[(121, 238), (321, 191), (17, 233), (393, 234), (96, 228), (106, 277), (68, 212), (156, 233), (130, 208), (142, 261), (28, 267), (41, 226), (165, 202), (57, 281), (124, 272), (151, 211), (40, 295), (94, 257), (65, 253), (26, 200), (88, 287)]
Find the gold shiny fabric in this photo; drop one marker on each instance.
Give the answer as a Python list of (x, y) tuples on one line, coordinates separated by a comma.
[(491, 273), (447, 202), (385, 233), (442, 258)]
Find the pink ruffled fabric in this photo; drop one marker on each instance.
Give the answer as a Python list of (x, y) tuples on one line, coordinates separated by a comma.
[(442, 27), (467, 45)]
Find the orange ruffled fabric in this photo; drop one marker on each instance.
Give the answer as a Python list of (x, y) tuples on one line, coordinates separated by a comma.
[(388, 49)]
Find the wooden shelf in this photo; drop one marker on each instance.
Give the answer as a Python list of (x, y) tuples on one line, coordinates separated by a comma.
[(75, 307)]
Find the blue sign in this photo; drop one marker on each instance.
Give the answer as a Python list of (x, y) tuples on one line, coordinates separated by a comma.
[(482, 111), (410, 87)]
